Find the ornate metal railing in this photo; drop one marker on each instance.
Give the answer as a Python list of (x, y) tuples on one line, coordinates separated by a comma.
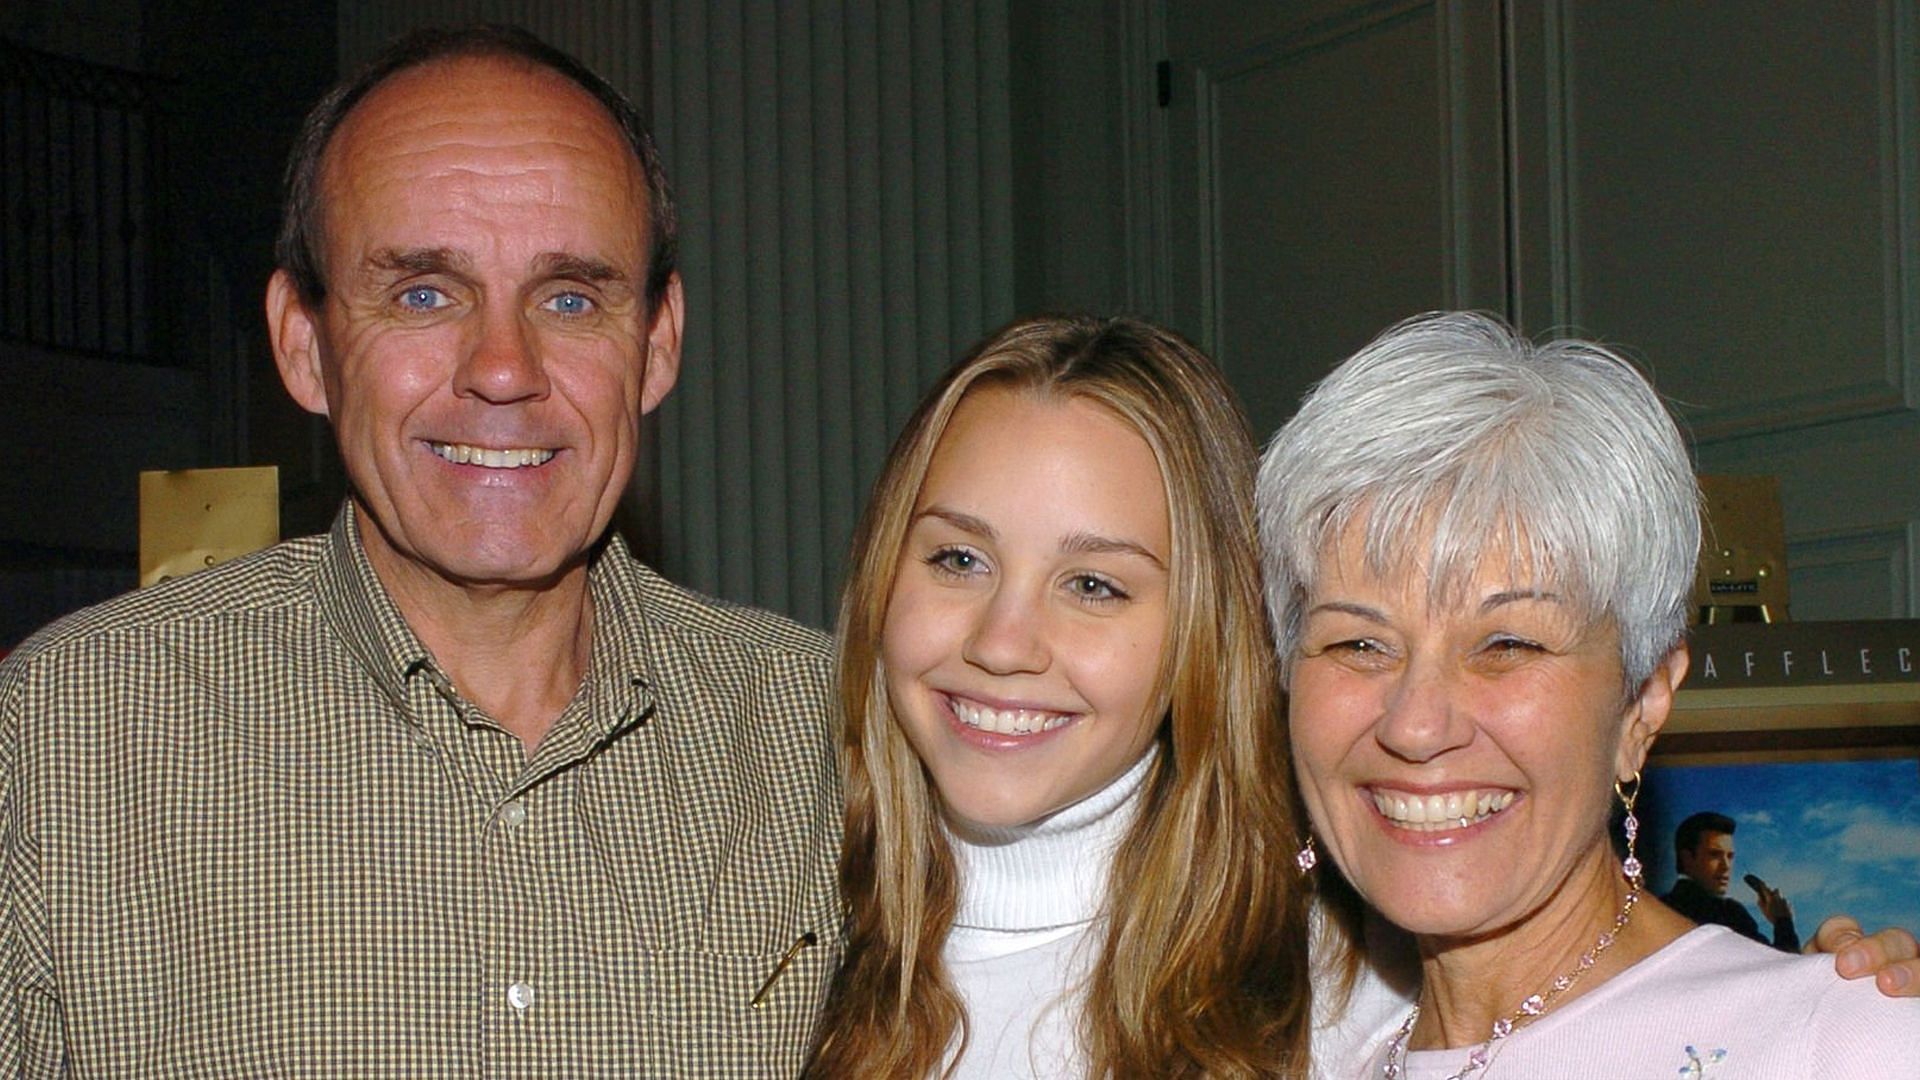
[(84, 229)]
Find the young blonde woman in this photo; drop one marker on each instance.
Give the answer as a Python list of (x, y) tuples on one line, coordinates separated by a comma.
[(1069, 809)]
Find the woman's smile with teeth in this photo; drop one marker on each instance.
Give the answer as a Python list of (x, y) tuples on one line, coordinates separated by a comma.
[(1434, 813), (1006, 721), (512, 458)]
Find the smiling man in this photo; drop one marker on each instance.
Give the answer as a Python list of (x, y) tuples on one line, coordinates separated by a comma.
[(461, 787)]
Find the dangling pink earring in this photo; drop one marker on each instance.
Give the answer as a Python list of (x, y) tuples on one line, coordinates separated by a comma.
[(1631, 866), (1307, 858)]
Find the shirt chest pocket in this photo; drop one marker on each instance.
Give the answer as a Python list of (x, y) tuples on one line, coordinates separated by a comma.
[(736, 1015)]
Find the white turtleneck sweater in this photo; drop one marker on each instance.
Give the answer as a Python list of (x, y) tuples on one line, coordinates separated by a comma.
[(1027, 931)]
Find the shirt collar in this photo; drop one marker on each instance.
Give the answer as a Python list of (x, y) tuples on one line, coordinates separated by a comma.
[(361, 610), (352, 597)]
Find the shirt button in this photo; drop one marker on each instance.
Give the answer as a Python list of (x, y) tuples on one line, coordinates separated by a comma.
[(520, 995), (513, 815)]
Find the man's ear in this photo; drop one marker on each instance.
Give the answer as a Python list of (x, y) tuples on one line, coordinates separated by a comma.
[(663, 346), (296, 344), (1647, 713)]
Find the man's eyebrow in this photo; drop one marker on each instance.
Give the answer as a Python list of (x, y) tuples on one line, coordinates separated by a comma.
[(559, 264), (419, 260), (1081, 543)]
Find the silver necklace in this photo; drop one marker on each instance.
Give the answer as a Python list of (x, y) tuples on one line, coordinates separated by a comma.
[(1530, 1010)]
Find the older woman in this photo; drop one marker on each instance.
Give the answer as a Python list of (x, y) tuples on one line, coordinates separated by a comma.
[(1479, 558)]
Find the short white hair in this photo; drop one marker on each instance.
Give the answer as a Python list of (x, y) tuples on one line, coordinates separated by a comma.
[(1453, 429)]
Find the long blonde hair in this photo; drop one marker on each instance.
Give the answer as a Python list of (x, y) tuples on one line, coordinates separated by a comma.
[(1203, 971)]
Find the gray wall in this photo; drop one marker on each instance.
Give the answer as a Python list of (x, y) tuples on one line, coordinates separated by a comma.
[(868, 187), (1733, 200)]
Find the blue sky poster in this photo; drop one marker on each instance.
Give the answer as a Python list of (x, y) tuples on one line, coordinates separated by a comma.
[(1835, 837)]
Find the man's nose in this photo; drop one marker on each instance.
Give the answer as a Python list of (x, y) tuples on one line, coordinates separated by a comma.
[(1423, 715), (1009, 636), (503, 362)]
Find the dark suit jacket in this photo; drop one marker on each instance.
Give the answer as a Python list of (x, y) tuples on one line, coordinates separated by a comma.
[(1702, 905)]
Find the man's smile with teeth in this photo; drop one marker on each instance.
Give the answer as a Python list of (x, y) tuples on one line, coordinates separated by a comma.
[(1435, 813), (1006, 721), (513, 458)]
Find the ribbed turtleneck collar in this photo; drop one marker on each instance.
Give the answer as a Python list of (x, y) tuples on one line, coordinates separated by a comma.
[(1053, 872)]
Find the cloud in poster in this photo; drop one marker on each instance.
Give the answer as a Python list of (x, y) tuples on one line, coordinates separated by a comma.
[(1802, 879), (1878, 841), (1830, 815)]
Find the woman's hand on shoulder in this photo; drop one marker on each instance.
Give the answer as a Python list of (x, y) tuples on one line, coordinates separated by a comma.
[(1891, 956)]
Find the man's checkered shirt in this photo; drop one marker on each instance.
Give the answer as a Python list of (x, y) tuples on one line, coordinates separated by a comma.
[(247, 828)]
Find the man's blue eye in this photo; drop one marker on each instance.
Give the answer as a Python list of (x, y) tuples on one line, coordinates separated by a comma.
[(570, 304), (422, 298)]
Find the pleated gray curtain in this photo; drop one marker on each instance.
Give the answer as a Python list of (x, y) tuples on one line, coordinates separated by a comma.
[(843, 169)]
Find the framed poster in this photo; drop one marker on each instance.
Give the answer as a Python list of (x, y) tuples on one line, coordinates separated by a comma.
[(1833, 833), (1806, 735)]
